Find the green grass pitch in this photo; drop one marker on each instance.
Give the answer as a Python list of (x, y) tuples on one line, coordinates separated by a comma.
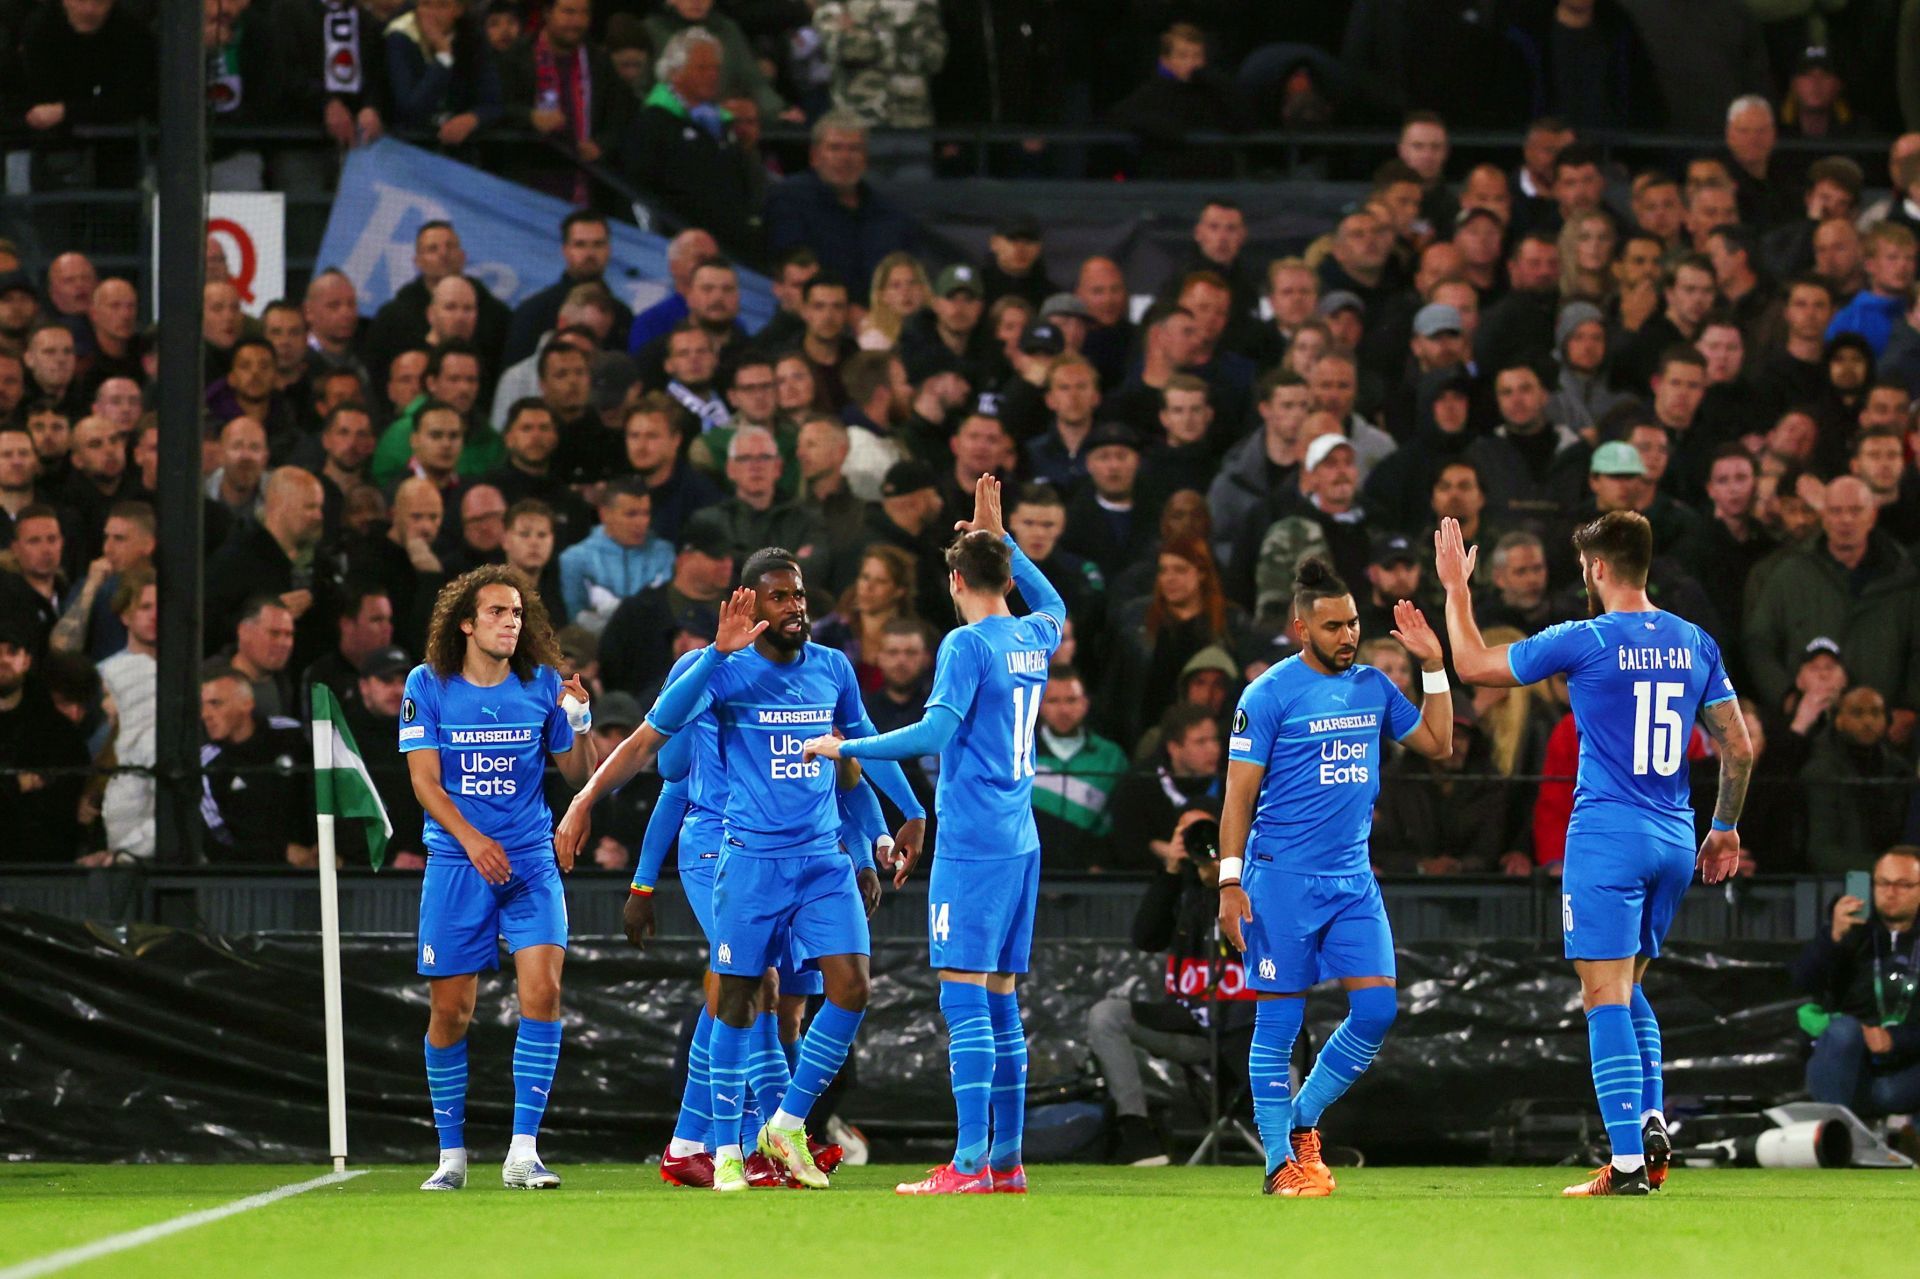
[(620, 1220)]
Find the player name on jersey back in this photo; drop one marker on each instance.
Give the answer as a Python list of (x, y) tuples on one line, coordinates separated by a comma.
[(1655, 659)]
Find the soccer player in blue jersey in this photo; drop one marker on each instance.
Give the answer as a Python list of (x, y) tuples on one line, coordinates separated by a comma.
[(782, 885), (482, 716), (987, 684), (1638, 678), (1297, 892)]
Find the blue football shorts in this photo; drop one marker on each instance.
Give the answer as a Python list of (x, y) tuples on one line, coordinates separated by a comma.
[(1619, 894), (980, 913), (1307, 929), (770, 912), (463, 918)]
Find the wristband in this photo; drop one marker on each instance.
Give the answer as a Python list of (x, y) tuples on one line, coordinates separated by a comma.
[(1435, 682), (1230, 870), (1720, 825), (579, 714), (640, 890)]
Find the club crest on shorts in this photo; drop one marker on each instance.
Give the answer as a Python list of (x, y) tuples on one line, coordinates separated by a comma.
[(426, 956), (724, 954), (1266, 970)]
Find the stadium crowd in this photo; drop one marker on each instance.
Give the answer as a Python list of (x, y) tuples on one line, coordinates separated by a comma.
[(1731, 347)]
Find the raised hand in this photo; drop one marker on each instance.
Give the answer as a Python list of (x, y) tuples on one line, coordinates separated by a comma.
[(573, 685), (986, 509), (1452, 559), (1411, 629), (737, 627)]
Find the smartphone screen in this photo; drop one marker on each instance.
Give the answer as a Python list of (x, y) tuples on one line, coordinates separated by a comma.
[(1860, 884)]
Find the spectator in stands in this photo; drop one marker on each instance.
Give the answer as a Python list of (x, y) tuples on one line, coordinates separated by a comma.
[(655, 430), (1106, 522), (401, 324), (1723, 553), (1851, 583), (821, 454), (1840, 258), (373, 716), (334, 326), (99, 478), (878, 408), (826, 343), (1258, 476), (900, 289), (439, 72), (274, 556), (83, 63), (1077, 770), (261, 649), (882, 57), (947, 336), (882, 593), (1857, 786), (833, 210), (683, 147), (483, 513), (255, 808), (740, 74), (908, 517), (52, 430), (1859, 972), (38, 810), (1037, 519), (90, 623), (1519, 597), (1183, 95), (1584, 61), (585, 250), (1398, 491), (33, 586), (635, 642), (620, 558), (128, 678), (1529, 465), (555, 83), (363, 621), (346, 443), (1877, 309), (1153, 637), (250, 389), (753, 515), (903, 667), (1430, 820), (51, 367), (1103, 290), (1144, 802)]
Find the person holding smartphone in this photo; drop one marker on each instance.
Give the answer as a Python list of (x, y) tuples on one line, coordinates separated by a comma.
[(1860, 972)]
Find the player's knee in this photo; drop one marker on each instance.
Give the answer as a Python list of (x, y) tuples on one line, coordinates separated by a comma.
[(769, 991), (1372, 1010), (850, 990)]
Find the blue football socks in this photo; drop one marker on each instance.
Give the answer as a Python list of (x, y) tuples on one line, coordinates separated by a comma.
[(1276, 1024), (1009, 1080), (536, 1054), (727, 1067), (767, 1073), (970, 1062), (1646, 1030), (1617, 1081), (447, 1089), (822, 1053), (1349, 1050), (694, 1126)]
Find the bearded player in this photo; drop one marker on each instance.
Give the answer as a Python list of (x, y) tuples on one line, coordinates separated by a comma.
[(1297, 892)]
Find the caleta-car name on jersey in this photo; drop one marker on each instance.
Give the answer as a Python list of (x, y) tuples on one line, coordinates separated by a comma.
[(1027, 661), (1655, 659)]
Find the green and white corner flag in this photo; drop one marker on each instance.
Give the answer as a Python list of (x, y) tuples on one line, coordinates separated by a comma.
[(342, 787)]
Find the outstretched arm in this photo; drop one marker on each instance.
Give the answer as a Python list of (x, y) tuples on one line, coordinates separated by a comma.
[(1472, 658), (927, 737), (1432, 736), (1720, 851)]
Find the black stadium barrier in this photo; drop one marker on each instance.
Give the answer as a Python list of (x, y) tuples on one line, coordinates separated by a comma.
[(148, 1043)]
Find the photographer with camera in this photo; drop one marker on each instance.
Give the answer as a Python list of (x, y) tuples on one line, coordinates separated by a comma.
[(1178, 916), (1861, 972)]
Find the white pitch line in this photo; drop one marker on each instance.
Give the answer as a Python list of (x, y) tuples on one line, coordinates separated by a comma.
[(161, 1229)]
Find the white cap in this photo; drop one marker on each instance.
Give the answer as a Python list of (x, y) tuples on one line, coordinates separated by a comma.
[(1318, 450)]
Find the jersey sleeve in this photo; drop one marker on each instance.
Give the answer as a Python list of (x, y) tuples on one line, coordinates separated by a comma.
[(687, 694), (675, 759), (849, 712), (1256, 722), (957, 671), (1045, 606), (663, 825), (1561, 647), (420, 711), (1402, 715), (558, 733), (1719, 686)]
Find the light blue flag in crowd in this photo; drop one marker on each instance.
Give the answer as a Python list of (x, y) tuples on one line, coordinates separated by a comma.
[(511, 234)]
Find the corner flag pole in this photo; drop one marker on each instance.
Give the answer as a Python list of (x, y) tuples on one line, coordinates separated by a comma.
[(330, 967)]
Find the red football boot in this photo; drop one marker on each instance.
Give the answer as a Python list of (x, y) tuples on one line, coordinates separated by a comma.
[(826, 1155), (694, 1170), (1011, 1181), (764, 1174), (948, 1180)]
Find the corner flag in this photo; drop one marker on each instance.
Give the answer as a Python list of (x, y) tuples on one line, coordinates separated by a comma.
[(341, 784)]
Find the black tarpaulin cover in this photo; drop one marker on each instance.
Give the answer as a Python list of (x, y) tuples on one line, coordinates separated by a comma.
[(161, 1044)]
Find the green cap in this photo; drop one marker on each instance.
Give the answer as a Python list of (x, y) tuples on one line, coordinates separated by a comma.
[(1617, 458), (958, 278)]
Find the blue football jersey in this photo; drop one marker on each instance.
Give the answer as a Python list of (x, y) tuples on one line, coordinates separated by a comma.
[(1637, 680), (493, 745), (698, 747), (777, 803), (992, 674), (1318, 737)]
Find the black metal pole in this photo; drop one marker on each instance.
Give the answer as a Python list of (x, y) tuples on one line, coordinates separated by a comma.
[(181, 189)]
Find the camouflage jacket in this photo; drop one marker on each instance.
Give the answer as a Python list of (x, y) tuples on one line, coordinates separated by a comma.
[(883, 54)]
